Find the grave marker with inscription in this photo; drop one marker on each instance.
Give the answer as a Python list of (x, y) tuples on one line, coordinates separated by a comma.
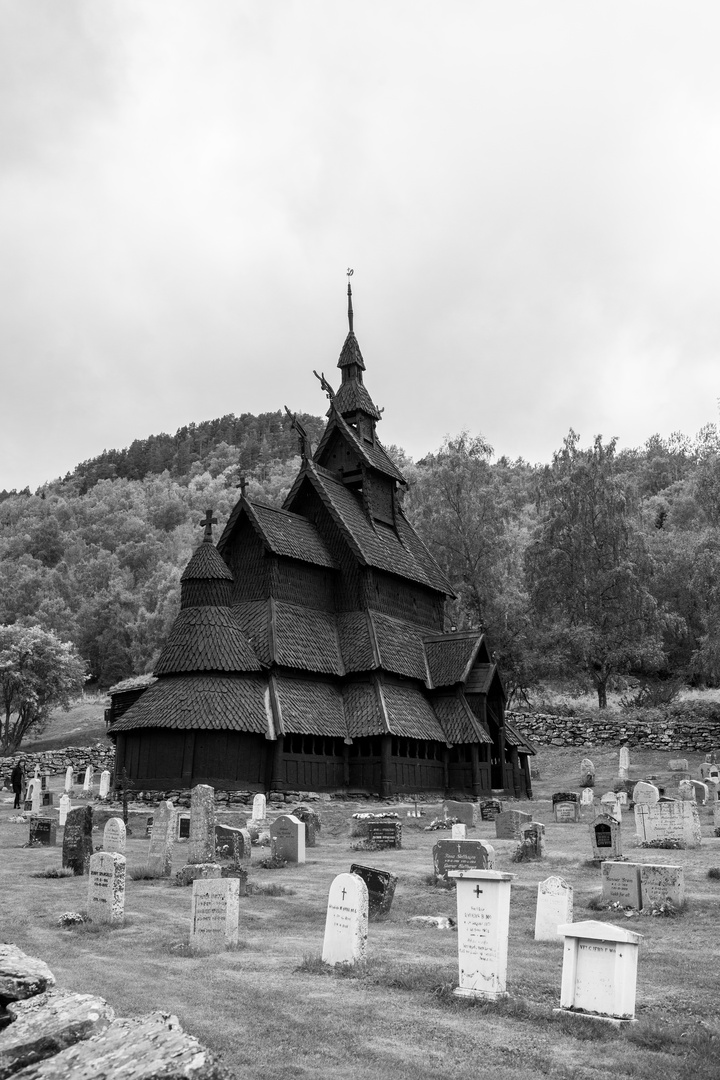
[(114, 835), (554, 906), (232, 844), (490, 809), (43, 831), (565, 806), (287, 836), (346, 922), (385, 834), (599, 970), (465, 812), (106, 888), (645, 793), (104, 784), (68, 777), (259, 810), (65, 808), (605, 836), (162, 838), (659, 882), (483, 922), (459, 832), (215, 913), (77, 840), (462, 855), (675, 821), (509, 825), (380, 886), (621, 883), (202, 825), (587, 773)]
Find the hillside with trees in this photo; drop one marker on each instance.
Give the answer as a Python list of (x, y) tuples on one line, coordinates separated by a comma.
[(600, 565)]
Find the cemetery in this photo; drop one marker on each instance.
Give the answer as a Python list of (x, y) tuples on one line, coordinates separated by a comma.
[(420, 954)]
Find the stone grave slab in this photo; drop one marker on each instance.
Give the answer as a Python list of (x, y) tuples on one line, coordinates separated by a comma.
[(106, 888), (686, 791), (672, 820), (489, 809), (645, 794), (232, 844), (565, 806), (202, 824), (701, 792), (599, 970), (678, 765), (588, 797), (660, 882), (68, 777), (215, 913), (311, 820), (47, 1023), (605, 838), (623, 762), (77, 839), (587, 773), (381, 886), (385, 834), (465, 812), (162, 838), (182, 826), (104, 784), (43, 831), (621, 883), (462, 855), (114, 835), (259, 808), (64, 809), (554, 907), (508, 825), (534, 837), (459, 832), (346, 922), (287, 836), (483, 921)]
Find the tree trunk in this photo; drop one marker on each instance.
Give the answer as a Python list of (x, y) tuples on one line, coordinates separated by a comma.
[(602, 694)]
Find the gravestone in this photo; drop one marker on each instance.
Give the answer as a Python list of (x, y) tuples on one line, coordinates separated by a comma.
[(68, 777), (462, 855), (36, 797), (587, 773), (565, 806), (202, 825), (508, 825), (311, 820), (77, 839), (622, 798), (64, 809), (346, 922), (114, 836), (621, 883), (659, 882), (385, 834), (716, 815), (465, 812), (609, 805), (483, 921), (231, 843), (43, 831), (47, 798), (162, 837), (259, 809), (624, 762), (490, 809), (678, 765), (380, 886), (675, 821), (686, 791), (104, 784), (605, 836), (701, 792), (182, 827), (106, 888), (554, 906), (534, 838), (599, 970), (287, 837), (215, 913), (87, 782), (645, 794), (459, 832), (588, 796)]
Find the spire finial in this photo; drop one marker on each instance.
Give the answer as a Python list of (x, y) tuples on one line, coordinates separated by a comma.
[(208, 523), (350, 273)]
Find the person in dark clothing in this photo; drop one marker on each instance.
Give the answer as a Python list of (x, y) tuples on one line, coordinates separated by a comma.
[(16, 779)]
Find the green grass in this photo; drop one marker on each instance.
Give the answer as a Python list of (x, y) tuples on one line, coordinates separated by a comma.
[(396, 1016)]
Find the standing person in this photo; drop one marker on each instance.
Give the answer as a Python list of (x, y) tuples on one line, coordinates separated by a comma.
[(16, 779)]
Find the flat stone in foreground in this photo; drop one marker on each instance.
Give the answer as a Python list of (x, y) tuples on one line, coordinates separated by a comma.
[(149, 1048), (22, 976), (47, 1024)]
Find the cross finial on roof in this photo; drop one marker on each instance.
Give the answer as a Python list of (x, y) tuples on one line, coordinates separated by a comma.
[(208, 523), (350, 273), (242, 485), (305, 448)]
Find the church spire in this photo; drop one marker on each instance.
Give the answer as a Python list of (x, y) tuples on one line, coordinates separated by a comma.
[(350, 310), (352, 399)]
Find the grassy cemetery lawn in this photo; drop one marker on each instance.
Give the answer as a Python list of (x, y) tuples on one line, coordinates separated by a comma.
[(273, 1011)]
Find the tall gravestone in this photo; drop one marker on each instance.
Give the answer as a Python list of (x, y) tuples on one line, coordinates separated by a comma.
[(346, 922), (287, 836), (64, 809), (114, 836), (599, 970), (215, 915), (554, 907), (36, 798), (77, 839), (202, 825), (605, 837), (588, 797), (106, 888), (587, 773), (162, 838), (259, 810), (87, 782), (483, 922), (701, 792), (68, 777), (624, 762), (104, 784)]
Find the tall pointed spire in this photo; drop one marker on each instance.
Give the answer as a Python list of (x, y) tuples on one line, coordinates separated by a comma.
[(352, 399), (350, 310)]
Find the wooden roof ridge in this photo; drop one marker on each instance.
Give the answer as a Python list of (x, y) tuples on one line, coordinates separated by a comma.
[(402, 516), (375, 456), (297, 538), (313, 473)]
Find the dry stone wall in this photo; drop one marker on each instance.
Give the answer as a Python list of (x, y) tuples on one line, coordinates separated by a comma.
[(686, 730), (99, 755)]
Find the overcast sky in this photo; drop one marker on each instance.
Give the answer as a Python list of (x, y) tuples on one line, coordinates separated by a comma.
[(528, 192)]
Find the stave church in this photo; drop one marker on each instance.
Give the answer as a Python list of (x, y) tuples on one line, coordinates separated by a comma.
[(309, 652)]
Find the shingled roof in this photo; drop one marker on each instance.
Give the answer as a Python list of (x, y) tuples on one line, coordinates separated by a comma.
[(352, 397), (457, 720), (515, 737), (282, 533), (206, 563), (310, 708), (451, 656), (206, 639), (350, 353), (372, 454), (204, 702)]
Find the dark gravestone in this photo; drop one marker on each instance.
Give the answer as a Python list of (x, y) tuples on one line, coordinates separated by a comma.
[(183, 831), (48, 799), (385, 834), (461, 855), (311, 820), (564, 796), (43, 831), (566, 806), (380, 885), (80, 777), (77, 839), (490, 809), (230, 843)]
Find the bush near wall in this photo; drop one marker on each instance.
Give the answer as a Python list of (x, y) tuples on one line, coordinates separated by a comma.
[(683, 725)]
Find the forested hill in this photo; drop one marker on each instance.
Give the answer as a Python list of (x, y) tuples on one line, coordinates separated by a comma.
[(600, 564)]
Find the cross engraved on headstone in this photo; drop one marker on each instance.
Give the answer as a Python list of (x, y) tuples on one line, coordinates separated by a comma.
[(208, 523), (477, 890), (343, 893)]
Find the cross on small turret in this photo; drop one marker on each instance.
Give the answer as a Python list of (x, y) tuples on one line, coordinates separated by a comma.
[(208, 523)]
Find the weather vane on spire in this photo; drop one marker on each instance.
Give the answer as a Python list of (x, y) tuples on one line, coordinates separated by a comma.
[(350, 273)]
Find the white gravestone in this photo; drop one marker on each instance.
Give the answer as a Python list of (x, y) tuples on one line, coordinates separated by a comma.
[(215, 915), (483, 922), (259, 810), (660, 882), (287, 836), (87, 783), (673, 820), (459, 832), (716, 815), (554, 906), (588, 797), (624, 762), (621, 883), (346, 922), (68, 777), (701, 792), (645, 793), (606, 839), (106, 888), (599, 970), (202, 824), (36, 797), (114, 836), (622, 798), (104, 784), (64, 809), (162, 838), (609, 805)]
